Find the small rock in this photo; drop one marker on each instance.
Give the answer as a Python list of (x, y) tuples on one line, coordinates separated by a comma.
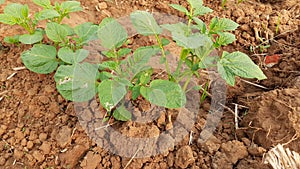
[(115, 160), (72, 157), (54, 107), (43, 136), (2, 161), (38, 156), (296, 83), (44, 99), (32, 136), (246, 141), (29, 145), (184, 157), (256, 151), (220, 161), (165, 143), (161, 121), (234, 150), (48, 89), (102, 5), (63, 138), (2, 131), (170, 159), (24, 142), (238, 13), (91, 160), (211, 145), (18, 154), (19, 134), (45, 147)]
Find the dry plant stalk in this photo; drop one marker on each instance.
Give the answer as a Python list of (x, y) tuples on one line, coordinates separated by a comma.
[(280, 158)]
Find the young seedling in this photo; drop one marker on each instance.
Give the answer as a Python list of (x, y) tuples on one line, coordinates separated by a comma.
[(18, 14), (125, 71)]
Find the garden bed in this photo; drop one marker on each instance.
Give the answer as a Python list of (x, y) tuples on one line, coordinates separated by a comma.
[(40, 129)]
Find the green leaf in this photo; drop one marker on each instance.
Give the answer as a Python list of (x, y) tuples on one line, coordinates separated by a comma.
[(86, 31), (105, 75), (177, 28), (165, 41), (123, 81), (123, 52), (145, 77), (31, 39), (196, 3), (111, 34), (238, 64), (2, 2), (135, 92), (46, 14), (226, 74), (180, 8), (140, 58), (15, 10), (202, 11), (223, 24), (25, 11), (7, 19), (71, 6), (179, 31), (43, 3), (142, 54), (40, 59), (208, 61), (56, 32), (164, 93), (68, 56), (200, 25), (122, 114), (111, 65), (12, 39), (225, 38), (145, 23), (68, 28), (111, 93), (191, 42), (77, 82)]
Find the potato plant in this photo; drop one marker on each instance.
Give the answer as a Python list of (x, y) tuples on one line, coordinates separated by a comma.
[(124, 70)]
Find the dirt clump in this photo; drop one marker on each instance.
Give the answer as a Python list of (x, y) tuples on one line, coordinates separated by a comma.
[(184, 157)]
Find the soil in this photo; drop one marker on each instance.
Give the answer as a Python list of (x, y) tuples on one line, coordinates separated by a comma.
[(39, 129)]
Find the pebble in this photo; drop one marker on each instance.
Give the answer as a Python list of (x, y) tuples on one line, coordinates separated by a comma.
[(211, 145), (184, 157), (24, 142), (45, 147), (18, 154), (19, 134), (71, 158), (43, 136), (102, 5), (2, 161), (256, 151), (63, 138), (234, 150), (29, 145), (44, 99), (38, 156)]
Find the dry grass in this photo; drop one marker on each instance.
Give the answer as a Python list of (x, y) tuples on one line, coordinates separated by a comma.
[(281, 158)]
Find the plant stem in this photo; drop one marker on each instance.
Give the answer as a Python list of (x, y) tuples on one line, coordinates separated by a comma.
[(187, 82), (163, 55)]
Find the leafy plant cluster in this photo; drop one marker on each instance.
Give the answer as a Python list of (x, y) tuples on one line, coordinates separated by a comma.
[(125, 71)]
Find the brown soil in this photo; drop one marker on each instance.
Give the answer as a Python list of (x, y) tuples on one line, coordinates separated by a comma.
[(39, 129)]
